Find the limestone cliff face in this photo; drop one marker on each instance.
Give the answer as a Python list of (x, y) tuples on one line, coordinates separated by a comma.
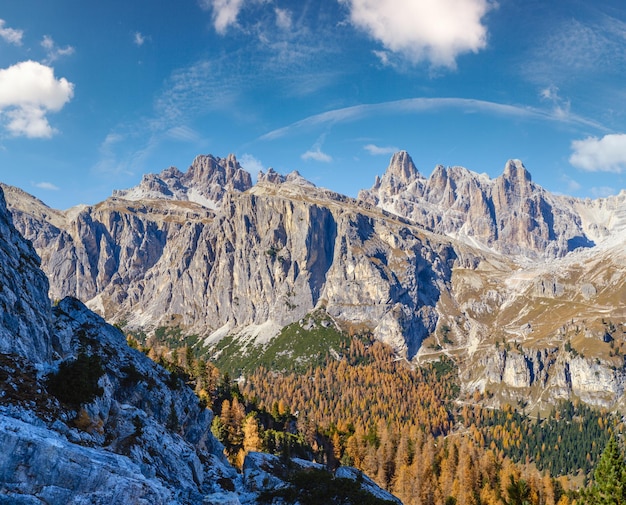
[(509, 214), (266, 258), (24, 306)]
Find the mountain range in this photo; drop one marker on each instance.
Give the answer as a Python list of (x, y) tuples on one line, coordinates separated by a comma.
[(524, 289), (85, 419)]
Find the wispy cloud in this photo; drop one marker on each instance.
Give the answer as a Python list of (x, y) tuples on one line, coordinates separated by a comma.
[(46, 185), (183, 134), (192, 91), (602, 191), (375, 150), (110, 162), (28, 92), (283, 18), (316, 153), (561, 107), (10, 35), (436, 32), (576, 49), (571, 185), (54, 52), (139, 39), (606, 154), (224, 12), (250, 163), (419, 105), (188, 93)]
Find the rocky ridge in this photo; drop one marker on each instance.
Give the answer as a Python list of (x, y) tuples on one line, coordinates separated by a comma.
[(509, 214), (205, 182), (457, 264)]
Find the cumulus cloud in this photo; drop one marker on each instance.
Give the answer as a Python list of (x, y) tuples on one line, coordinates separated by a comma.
[(225, 12), (46, 185), (375, 150), (28, 91), (607, 154), (54, 52), (10, 35), (423, 30)]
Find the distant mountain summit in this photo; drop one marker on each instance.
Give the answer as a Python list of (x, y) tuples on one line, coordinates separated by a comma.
[(509, 214), (205, 182)]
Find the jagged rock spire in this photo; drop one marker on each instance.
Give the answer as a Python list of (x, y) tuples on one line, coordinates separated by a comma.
[(402, 168)]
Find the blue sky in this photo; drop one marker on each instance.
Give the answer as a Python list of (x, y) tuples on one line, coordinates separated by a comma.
[(94, 94)]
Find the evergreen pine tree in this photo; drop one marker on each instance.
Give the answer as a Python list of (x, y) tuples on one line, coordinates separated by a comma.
[(609, 478)]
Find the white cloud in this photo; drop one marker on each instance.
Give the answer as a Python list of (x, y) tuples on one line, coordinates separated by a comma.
[(316, 154), (225, 12), (550, 93), (250, 163), (419, 105), (28, 91), (10, 35), (561, 106), (423, 30), (183, 134), (46, 185), (375, 150), (607, 154), (53, 52), (283, 18), (139, 39)]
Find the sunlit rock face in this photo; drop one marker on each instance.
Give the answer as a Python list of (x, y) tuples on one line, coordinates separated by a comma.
[(509, 214)]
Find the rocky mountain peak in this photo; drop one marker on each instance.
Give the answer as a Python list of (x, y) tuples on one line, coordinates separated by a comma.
[(439, 177), (207, 169), (271, 176), (509, 214), (402, 169), (205, 182), (274, 177), (516, 172), (125, 430)]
